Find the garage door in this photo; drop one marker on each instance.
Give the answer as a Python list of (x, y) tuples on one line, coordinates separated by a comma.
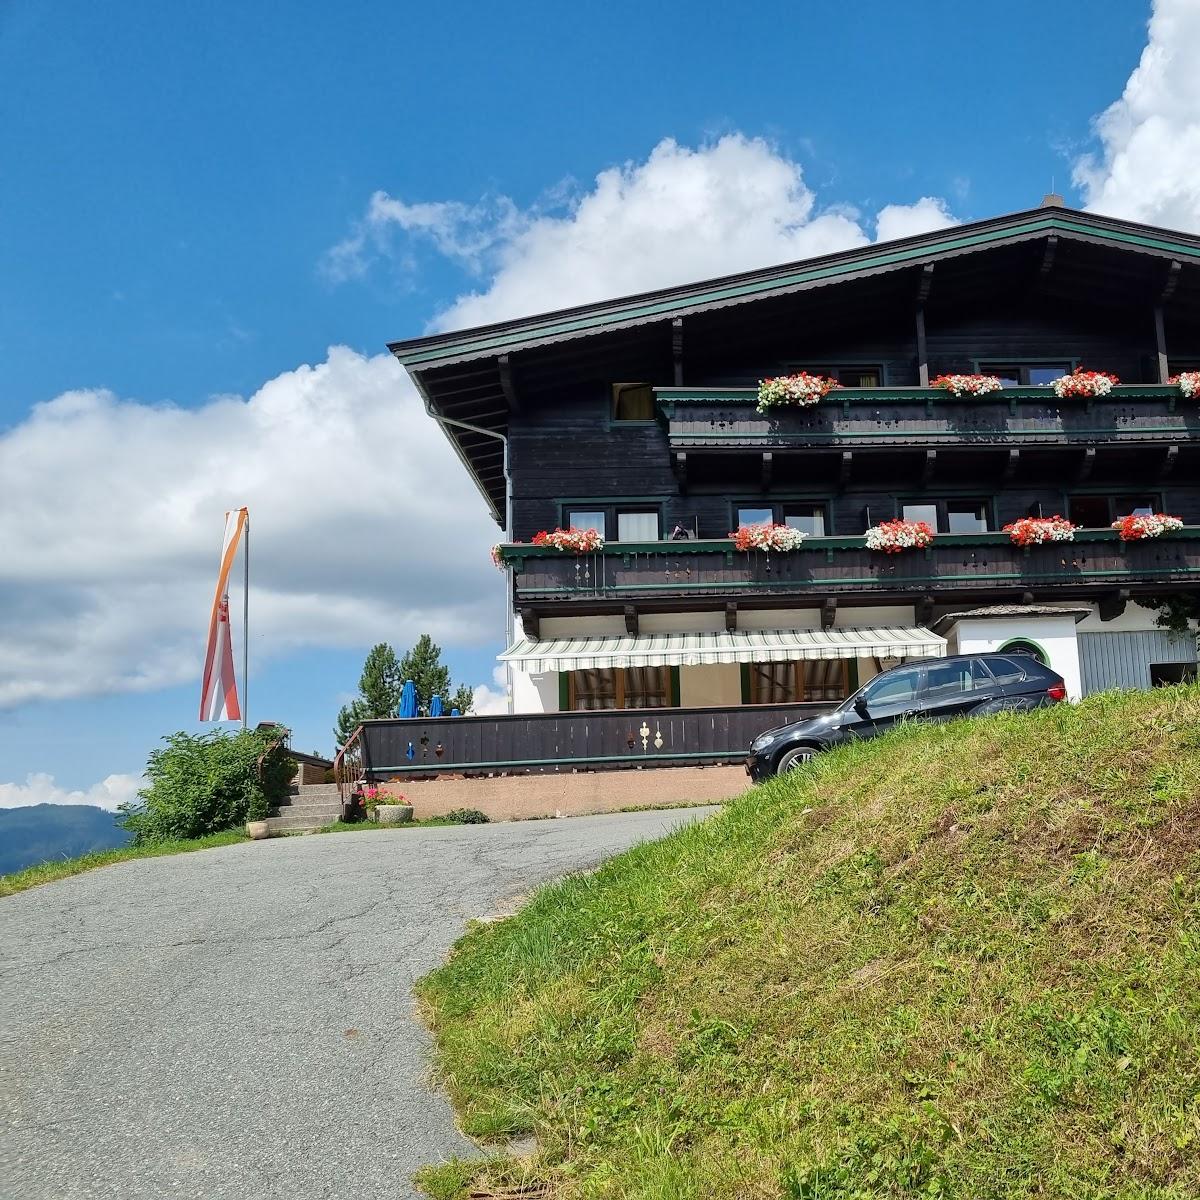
[(1124, 660)]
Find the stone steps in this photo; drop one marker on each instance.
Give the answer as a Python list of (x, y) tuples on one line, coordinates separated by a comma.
[(309, 807)]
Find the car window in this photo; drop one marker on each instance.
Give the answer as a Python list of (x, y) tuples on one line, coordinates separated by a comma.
[(949, 679), (1005, 670), (894, 688)]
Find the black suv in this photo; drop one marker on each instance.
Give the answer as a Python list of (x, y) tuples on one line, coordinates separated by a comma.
[(936, 689)]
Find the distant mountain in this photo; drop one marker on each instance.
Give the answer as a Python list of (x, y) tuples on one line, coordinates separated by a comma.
[(44, 831)]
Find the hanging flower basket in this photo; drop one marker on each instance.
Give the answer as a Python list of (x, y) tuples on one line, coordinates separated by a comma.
[(802, 389), (498, 556), (1084, 383), (768, 537), (1188, 383), (1148, 525), (1034, 531), (968, 385), (894, 537), (575, 541)]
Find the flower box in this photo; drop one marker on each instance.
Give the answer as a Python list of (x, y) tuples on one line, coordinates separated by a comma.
[(1034, 531), (768, 537), (802, 389), (968, 385), (894, 537), (1084, 383), (571, 540), (1188, 383), (1136, 528)]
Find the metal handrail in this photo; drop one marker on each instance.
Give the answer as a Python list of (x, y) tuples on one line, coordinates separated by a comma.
[(347, 767)]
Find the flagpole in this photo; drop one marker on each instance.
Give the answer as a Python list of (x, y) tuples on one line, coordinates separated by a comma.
[(246, 621)]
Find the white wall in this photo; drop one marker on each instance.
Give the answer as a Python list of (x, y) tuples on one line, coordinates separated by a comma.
[(1055, 635), (535, 693)]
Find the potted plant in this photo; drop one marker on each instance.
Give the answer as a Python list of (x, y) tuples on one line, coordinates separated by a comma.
[(386, 808), (1034, 531), (1188, 383), (1084, 383), (802, 389), (768, 537), (968, 385), (257, 811), (1136, 528), (894, 537), (577, 541)]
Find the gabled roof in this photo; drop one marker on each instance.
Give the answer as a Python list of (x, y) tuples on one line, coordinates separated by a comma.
[(491, 340)]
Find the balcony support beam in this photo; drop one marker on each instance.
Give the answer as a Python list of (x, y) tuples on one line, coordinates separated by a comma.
[(731, 611), (507, 387), (828, 612), (845, 468), (923, 285), (631, 619), (768, 466), (1170, 459), (923, 610), (531, 623), (930, 466), (677, 349), (1113, 605), (680, 466), (1086, 465), (1160, 333), (1010, 466)]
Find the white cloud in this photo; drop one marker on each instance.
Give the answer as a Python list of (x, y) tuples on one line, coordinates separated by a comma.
[(906, 220), (1150, 137), (40, 788), (679, 216), (491, 701), (363, 526)]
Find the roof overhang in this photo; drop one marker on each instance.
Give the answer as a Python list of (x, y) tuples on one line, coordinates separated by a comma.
[(736, 646)]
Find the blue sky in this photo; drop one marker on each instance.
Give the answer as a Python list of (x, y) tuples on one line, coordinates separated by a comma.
[(173, 179)]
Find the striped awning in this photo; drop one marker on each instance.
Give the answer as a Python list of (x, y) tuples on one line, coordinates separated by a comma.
[(737, 646)]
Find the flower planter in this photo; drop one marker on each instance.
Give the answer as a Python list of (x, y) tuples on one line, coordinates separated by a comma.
[(257, 830), (393, 814)]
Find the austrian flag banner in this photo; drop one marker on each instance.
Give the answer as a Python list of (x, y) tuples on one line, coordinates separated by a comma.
[(218, 696)]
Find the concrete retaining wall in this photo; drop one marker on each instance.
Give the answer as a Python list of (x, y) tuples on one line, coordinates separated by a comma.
[(516, 797)]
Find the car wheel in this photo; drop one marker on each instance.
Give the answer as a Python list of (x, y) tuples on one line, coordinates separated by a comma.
[(796, 758)]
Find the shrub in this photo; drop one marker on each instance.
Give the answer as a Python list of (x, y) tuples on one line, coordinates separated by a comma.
[(468, 816), (201, 784)]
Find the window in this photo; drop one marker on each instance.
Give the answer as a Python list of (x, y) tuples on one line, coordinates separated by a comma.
[(795, 682), (1026, 649), (632, 402), (619, 687), (1165, 674), (808, 518), (951, 678), (896, 688), (587, 518), (966, 516), (851, 377), (1138, 506), (755, 516), (921, 512), (1005, 670), (1025, 374), (635, 526)]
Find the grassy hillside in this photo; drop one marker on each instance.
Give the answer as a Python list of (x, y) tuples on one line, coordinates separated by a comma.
[(961, 961)]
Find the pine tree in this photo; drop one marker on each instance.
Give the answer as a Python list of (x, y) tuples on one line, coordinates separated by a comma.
[(378, 692), (423, 665)]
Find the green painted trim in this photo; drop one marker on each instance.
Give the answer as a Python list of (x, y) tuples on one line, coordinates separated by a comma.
[(1023, 226), (564, 691), (675, 687), (853, 672), (745, 678), (1028, 641), (916, 436), (442, 768)]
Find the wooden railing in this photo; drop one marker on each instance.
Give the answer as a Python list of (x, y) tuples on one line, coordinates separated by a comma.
[(348, 768), (1096, 561), (570, 741), (727, 418)]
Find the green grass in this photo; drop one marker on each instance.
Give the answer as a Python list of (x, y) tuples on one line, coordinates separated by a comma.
[(372, 827), (962, 961), (61, 868)]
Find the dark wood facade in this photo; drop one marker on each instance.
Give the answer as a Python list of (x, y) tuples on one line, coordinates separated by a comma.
[(1049, 287)]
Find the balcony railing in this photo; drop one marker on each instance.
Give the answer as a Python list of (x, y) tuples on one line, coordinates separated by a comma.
[(727, 418), (1096, 561), (569, 741)]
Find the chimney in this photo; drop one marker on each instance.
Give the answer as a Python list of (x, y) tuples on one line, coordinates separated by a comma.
[(1052, 200)]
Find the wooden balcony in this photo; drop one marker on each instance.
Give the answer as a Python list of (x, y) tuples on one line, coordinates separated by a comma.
[(632, 572), (708, 419), (569, 741)]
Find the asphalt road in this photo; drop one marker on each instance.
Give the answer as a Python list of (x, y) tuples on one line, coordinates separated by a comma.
[(239, 1022)]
